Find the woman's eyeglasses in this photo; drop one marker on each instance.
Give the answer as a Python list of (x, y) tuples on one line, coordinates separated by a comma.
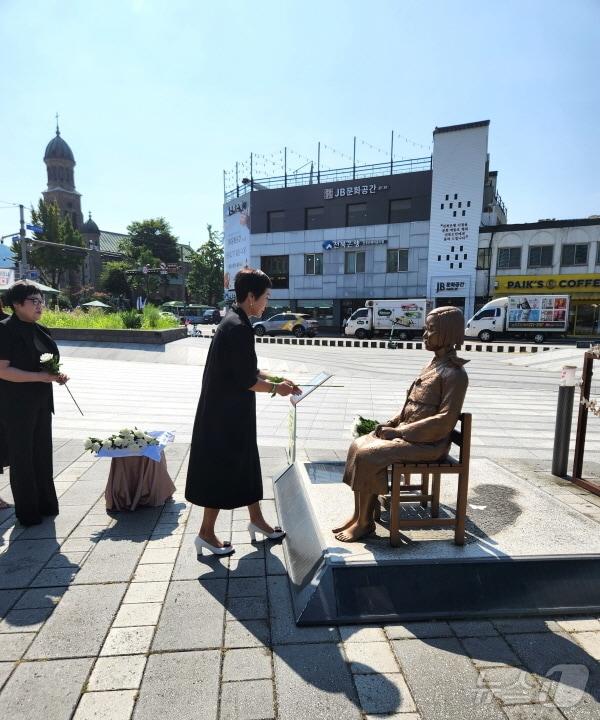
[(36, 302)]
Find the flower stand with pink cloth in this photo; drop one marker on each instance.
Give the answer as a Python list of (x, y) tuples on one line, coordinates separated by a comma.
[(139, 478)]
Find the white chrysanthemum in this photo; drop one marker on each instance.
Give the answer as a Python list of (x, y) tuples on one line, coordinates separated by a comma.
[(354, 427), (88, 443), (96, 446), (46, 357)]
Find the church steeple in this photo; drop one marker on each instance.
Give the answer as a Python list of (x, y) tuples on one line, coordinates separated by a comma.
[(60, 165)]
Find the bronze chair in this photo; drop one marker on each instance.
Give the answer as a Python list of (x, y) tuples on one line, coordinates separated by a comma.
[(405, 492)]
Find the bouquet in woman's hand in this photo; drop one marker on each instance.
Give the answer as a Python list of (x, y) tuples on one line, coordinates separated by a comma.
[(363, 426), (274, 379), (50, 363)]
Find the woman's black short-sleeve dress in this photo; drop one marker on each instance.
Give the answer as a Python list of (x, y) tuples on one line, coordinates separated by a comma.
[(224, 468)]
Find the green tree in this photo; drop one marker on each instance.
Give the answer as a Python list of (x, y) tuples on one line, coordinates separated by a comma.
[(205, 279), (52, 262), (153, 236), (113, 278)]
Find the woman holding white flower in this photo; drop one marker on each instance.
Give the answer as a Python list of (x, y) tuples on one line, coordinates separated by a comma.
[(224, 470), (26, 403)]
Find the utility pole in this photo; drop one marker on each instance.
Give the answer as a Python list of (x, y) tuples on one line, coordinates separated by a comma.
[(23, 243)]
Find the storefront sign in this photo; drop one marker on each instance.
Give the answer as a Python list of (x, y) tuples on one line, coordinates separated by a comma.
[(335, 244), (449, 286), (351, 190), (547, 283), (7, 277), (236, 239)]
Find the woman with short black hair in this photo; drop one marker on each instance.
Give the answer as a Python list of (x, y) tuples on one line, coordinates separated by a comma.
[(3, 451), (26, 403), (224, 469)]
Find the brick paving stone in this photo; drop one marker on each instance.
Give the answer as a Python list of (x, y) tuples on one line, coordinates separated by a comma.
[(533, 712), (524, 625), (159, 555), (170, 541), (111, 705), (192, 616), (117, 673), (188, 567), (490, 651), (395, 716), (275, 560), (22, 561), (5, 670), (247, 633), (283, 625), (362, 633), (302, 684), (13, 645), (161, 695), (577, 625), (7, 599), (78, 625), (250, 700), (373, 657), (590, 642), (247, 664), (153, 573), (137, 614), (77, 545), (30, 620), (66, 559), (473, 628), (246, 568), (128, 641), (39, 598), (243, 609), (437, 668), (55, 576), (384, 693), (146, 592), (512, 686), (247, 587), (48, 690), (111, 561), (418, 630)]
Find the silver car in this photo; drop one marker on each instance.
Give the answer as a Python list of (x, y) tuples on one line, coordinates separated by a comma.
[(287, 323)]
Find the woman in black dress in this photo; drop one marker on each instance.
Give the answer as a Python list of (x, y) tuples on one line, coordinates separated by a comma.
[(3, 450), (26, 404), (224, 469)]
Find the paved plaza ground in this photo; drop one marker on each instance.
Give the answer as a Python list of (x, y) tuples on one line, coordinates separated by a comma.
[(113, 617)]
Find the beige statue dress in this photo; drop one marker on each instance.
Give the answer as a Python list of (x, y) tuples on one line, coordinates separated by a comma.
[(420, 433)]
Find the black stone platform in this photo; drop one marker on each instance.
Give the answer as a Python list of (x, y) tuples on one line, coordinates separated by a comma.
[(527, 553)]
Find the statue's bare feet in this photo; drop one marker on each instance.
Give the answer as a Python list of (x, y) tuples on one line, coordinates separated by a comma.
[(355, 532), (345, 526)]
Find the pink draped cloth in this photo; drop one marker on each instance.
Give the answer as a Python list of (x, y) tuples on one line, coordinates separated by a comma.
[(134, 481)]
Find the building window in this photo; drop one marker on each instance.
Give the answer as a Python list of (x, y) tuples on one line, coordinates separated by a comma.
[(277, 268), (313, 264), (354, 262), (398, 208), (276, 221), (574, 254), (356, 214), (540, 256), (509, 258), (313, 218), (321, 310), (397, 261)]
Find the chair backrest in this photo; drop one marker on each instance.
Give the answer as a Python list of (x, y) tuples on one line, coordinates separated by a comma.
[(462, 437)]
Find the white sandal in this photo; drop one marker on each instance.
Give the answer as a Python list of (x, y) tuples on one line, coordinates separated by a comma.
[(253, 529), (202, 544)]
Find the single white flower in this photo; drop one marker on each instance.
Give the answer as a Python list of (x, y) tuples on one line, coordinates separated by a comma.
[(96, 446), (107, 443), (354, 426), (139, 434), (142, 442), (118, 442), (88, 444), (46, 357)]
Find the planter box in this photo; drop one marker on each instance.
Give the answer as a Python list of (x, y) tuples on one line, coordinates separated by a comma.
[(144, 337)]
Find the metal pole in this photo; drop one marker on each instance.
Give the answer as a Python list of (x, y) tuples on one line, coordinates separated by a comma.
[(319, 162), (285, 166), (237, 183), (586, 385), (23, 243), (564, 415), (354, 160), (251, 172), (392, 155)]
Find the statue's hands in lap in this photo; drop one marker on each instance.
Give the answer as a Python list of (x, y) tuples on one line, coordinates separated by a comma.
[(388, 433)]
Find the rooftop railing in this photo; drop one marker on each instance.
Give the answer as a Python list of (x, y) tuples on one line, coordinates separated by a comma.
[(315, 177)]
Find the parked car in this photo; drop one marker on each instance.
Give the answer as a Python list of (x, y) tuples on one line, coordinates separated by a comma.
[(287, 323), (210, 317)]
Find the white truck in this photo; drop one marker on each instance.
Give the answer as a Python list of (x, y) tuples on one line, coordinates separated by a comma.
[(405, 318), (527, 316)]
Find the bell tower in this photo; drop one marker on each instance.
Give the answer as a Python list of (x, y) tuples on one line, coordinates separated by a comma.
[(60, 166)]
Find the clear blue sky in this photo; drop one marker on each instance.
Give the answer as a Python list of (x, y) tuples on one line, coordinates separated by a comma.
[(157, 97)]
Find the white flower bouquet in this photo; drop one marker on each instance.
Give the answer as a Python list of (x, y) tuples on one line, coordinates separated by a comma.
[(363, 426), (131, 442)]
